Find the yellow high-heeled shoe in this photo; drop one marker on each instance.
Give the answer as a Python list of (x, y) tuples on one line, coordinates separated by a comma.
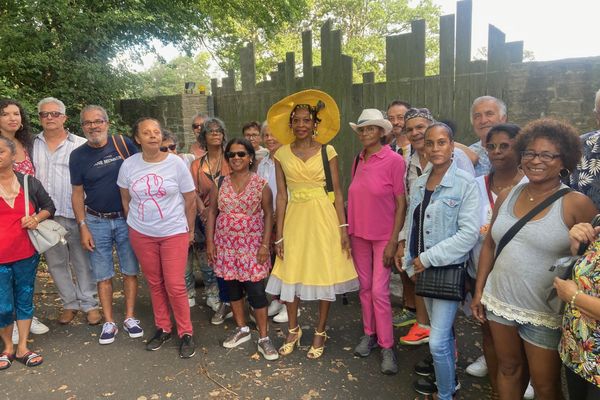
[(316, 352), (287, 348)]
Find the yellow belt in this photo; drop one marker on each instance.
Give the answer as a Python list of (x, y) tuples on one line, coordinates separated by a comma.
[(302, 195)]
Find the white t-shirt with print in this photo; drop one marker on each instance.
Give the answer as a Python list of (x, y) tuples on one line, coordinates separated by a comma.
[(157, 207)]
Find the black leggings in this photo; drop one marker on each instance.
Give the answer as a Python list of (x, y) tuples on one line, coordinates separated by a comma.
[(579, 388), (255, 291)]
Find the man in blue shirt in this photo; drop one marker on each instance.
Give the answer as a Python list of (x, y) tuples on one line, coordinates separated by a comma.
[(99, 213)]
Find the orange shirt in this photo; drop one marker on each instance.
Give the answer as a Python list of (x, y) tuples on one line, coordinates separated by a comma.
[(202, 181)]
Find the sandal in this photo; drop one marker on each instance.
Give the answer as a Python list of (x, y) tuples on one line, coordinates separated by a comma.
[(316, 352), (288, 347), (27, 359), (6, 358)]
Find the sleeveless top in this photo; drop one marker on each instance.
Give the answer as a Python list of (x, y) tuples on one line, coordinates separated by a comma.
[(522, 277)]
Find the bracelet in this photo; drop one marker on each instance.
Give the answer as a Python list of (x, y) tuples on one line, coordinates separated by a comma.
[(264, 245), (572, 302), (37, 221), (343, 225), (278, 241)]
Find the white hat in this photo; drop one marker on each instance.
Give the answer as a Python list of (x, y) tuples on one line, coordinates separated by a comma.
[(372, 117)]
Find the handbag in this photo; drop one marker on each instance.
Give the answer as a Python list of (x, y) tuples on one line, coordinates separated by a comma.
[(445, 282), (48, 233)]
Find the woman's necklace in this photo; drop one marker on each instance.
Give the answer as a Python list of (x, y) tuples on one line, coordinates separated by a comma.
[(531, 197), (217, 173)]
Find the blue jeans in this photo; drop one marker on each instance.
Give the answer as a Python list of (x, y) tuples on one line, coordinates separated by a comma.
[(208, 275), (106, 233), (441, 344), (17, 282)]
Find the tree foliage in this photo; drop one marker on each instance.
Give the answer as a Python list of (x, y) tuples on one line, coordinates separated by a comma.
[(67, 48)]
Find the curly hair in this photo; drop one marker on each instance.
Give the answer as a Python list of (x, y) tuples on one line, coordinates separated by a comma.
[(23, 135), (562, 134)]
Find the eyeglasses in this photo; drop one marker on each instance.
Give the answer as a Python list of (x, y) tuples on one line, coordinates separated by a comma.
[(214, 132), (171, 147), (544, 156), (97, 122), (252, 136), (53, 114), (367, 130), (196, 126), (500, 146), (232, 154)]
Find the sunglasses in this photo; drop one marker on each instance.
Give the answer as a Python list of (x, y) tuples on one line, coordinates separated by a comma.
[(500, 146), (53, 114), (171, 147), (196, 126), (240, 154)]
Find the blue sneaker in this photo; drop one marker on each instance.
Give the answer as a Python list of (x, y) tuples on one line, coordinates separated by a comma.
[(109, 331), (133, 328)]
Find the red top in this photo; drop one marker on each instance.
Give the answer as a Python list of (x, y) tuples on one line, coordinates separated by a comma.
[(14, 240)]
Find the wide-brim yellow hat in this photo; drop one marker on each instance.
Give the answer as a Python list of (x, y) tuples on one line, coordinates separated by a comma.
[(278, 116)]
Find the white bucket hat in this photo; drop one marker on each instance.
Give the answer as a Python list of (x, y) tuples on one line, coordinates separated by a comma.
[(372, 117)]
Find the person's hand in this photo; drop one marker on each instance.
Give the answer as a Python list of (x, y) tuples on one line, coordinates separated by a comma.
[(262, 255), (279, 250), (29, 222), (565, 289), (582, 233), (211, 252), (346, 244), (418, 266), (399, 255), (86, 238), (477, 308), (191, 238), (389, 253), (203, 215)]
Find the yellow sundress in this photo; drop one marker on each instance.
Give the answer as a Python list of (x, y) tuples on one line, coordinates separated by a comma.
[(314, 266)]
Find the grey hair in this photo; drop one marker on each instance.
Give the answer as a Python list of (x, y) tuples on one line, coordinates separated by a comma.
[(207, 123), (200, 115), (168, 135), (93, 107), (597, 102), (263, 128), (499, 103), (11, 145), (48, 100)]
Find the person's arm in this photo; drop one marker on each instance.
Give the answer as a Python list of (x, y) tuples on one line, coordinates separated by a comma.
[(568, 291), (339, 205), (211, 251), (125, 200), (77, 201), (473, 157), (281, 200), (190, 212), (44, 206), (267, 208), (390, 251)]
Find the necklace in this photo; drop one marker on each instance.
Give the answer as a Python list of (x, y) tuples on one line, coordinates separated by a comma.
[(531, 197), (217, 173)]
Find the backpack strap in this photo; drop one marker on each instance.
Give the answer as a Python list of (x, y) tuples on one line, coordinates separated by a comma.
[(120, 146)]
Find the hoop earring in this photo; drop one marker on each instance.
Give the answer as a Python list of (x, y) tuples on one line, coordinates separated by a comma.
[(21, 127), (564, 173)]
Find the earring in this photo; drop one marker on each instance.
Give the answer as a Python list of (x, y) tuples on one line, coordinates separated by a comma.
[(250, 162), (564, 173), (21, 127), (315, 133)]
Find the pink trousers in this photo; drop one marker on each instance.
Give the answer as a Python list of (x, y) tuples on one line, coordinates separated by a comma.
[(163, 262), (374, 292)]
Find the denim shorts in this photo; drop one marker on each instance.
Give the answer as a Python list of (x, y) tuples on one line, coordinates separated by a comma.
[(106, 233), (540, 336)]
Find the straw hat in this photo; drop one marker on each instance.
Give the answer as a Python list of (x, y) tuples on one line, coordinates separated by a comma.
[(372, 117), (278, 117)]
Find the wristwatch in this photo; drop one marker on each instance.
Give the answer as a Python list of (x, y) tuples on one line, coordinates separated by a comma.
[(81, 223)]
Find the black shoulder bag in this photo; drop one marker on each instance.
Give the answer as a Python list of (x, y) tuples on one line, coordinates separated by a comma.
[(327, 170)]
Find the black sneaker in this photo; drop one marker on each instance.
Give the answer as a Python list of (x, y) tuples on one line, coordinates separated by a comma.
[(187, 348), (159, 338), (425, 367), (427, 385)]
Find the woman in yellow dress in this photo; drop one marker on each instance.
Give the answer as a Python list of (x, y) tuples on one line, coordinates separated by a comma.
[(313, 249)]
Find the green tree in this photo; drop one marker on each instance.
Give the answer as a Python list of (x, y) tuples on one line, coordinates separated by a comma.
[(67, 48)]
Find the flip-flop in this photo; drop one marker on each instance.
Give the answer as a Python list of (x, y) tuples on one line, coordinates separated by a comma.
[(6, 358), (27, 359)]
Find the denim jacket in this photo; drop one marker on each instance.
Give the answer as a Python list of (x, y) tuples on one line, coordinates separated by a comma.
[(451, 223)]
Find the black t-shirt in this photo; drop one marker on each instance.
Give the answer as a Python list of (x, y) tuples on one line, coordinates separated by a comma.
[(417, 225), (97, 169)]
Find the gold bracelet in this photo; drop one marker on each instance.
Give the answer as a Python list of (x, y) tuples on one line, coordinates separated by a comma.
[(572, 302), (264, 245), (37, 221)]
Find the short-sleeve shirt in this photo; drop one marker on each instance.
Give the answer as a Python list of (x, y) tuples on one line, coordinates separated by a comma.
[(483, 165), (586, 177), (372, 194), (157, 207), (97, 169)]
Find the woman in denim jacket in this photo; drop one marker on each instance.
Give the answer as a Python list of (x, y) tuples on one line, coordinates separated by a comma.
[(441, 234)]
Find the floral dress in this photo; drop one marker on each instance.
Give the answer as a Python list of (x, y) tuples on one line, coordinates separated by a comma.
[(239, 231), (580, 343)]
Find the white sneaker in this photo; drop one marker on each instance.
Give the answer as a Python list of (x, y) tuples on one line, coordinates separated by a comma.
[(529, 393), (38, 328), (192, 301), (15, 334), (478, 368), (275, 307), (283, 316)]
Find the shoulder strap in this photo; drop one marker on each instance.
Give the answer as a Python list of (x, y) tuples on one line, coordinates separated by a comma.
[(355, 164), (26, 194), (326, 169), (220, 181), (120, 146), (535, 211)]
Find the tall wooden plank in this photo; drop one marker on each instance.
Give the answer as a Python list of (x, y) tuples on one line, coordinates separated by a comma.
[(290, 71), (392, 58), (404, 50), (515, 51), (248, 68), (368, 89), (326, 48), (332, 83), (464, 11), (417, 53), (307, 61), (497, 57), (447, 45)]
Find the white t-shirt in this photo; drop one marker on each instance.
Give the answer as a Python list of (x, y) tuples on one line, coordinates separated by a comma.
[(157, 207)]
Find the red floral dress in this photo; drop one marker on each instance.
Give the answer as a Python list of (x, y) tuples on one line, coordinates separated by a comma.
[(239, 230), (25, 167)]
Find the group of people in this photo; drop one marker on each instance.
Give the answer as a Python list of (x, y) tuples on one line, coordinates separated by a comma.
[(487, 224)]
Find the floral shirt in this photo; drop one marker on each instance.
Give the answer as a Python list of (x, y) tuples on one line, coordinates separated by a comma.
[(579, 346), (586, 177)]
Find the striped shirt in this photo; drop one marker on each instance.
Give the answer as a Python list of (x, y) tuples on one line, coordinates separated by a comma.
[(52, 169)]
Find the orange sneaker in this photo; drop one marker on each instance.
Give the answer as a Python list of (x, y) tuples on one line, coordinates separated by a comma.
[(415, 336)]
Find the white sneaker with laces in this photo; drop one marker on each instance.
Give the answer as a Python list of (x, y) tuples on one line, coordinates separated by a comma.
[(275, 307), (283, 316), (38, 328), (529, 393), (478, 368)]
